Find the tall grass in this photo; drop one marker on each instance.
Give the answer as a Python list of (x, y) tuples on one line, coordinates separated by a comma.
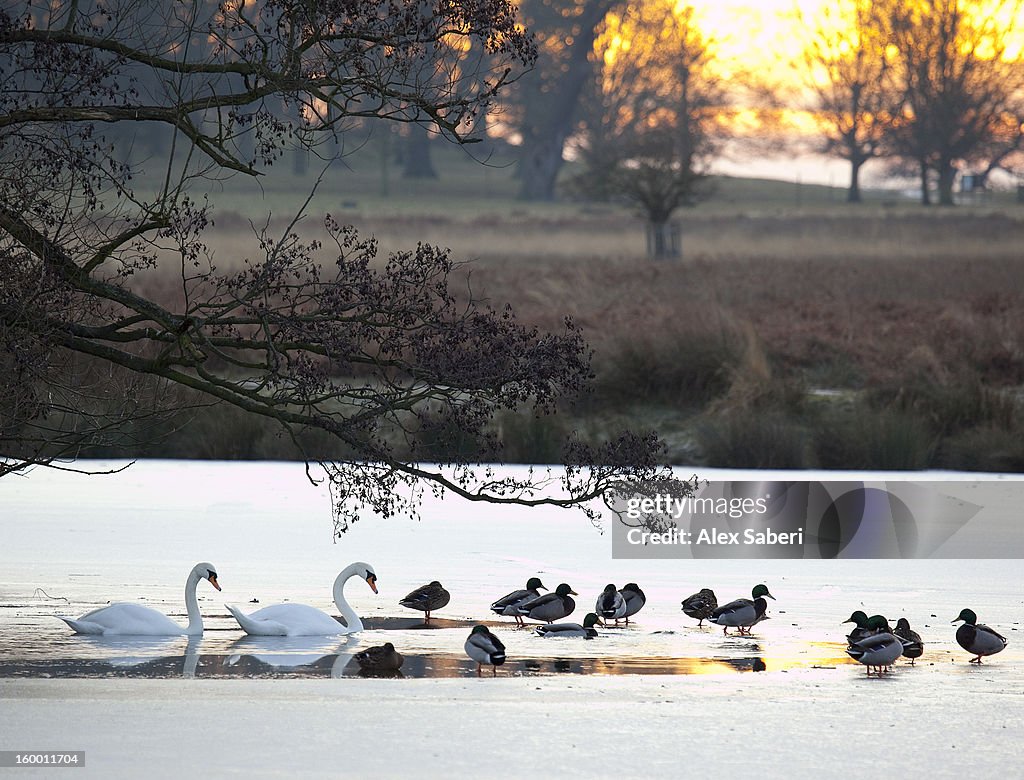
[(923, 310), (950, 407), (528, 438), (859, 437), (984, 449), (752, 440), (685, 362)]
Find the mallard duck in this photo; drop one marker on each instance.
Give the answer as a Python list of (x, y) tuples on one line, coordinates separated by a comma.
[(381, 658), (551, 606), (861, 630), (485, 648), (569, 630), (913, 647), (610, 604), (427, 599), (700, 606), (743, 613), (507, 605), (977, 638), (879, 649), (635, 599)]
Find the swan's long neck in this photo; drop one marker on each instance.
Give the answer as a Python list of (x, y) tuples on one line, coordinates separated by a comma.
[(351, 618), (195, 618)]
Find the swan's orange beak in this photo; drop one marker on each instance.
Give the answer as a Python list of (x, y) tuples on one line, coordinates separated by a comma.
[(372, 582), (213, 581)]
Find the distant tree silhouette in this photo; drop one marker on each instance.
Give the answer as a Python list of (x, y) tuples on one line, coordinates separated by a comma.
[(844, 65), (654, 118), (960, 79)]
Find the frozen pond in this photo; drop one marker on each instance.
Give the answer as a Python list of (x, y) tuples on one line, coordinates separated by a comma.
[(70, 543)]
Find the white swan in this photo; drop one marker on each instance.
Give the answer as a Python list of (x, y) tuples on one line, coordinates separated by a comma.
[(302, 620), (126, 619)]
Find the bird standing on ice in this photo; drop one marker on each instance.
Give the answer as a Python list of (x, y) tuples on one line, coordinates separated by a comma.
[(743, 613), (635, 599), (485, 648), (508, 605), (427, 598), (610, 604), (700, 606), (977, 638)]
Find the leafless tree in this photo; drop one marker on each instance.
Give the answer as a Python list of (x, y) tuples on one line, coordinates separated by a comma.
[(961, 82), (846, 70), (656, 115)]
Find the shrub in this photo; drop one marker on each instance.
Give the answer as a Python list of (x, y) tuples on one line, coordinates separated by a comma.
[(859, 437), (752, 440), (949, 407), (684, 363), (527, 438), (984, 449)]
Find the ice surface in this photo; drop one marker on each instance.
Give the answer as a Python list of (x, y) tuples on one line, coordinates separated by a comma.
[(696, 710), (807, 724)]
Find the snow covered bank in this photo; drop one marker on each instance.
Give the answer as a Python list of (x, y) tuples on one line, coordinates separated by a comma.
[(792, 725)]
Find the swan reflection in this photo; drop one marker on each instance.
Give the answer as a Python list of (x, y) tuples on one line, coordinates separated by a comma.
[(294, 653)]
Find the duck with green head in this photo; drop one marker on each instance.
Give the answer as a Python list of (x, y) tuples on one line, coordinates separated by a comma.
[(977, 638), (743, 613), (861, 630), (879, 649), (485, 648), (610, 604), (507, 605), (572, 630), (551, 606)]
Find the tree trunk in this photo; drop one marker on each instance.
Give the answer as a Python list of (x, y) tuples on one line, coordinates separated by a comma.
[(550, 107), (539, 163), (663, 240), (853, 192), (417, 163), (947, 175), (926, 199)]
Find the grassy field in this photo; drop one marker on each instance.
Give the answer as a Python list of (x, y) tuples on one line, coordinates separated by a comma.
[(795, 330)]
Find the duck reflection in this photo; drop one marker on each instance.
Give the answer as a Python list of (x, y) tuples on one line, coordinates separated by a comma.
[(746, 664)]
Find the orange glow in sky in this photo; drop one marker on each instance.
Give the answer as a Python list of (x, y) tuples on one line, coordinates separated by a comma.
[(756, 33), (765, 35), (765, 38)]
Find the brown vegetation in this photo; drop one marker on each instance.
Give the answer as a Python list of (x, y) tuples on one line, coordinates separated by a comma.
[(912, 324)]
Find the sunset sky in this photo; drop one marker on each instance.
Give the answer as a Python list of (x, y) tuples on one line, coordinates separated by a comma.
[(764, 36), (763, 32), (754, 31)]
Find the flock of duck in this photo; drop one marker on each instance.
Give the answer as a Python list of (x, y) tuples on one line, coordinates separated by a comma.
[(877, 646), (872, 642)]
